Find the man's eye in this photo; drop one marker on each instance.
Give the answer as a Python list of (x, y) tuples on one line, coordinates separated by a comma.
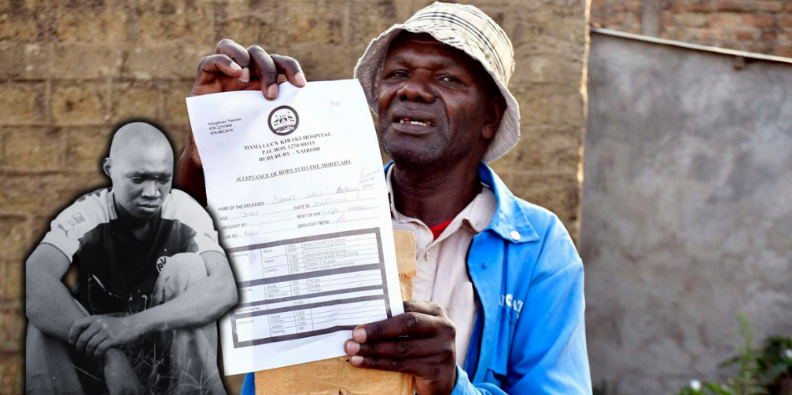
[(137, 180), (448, 78), (164, 181), (397, 74)]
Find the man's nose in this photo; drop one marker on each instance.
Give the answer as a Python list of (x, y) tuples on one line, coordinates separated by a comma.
[(416, 89), (150, 190)]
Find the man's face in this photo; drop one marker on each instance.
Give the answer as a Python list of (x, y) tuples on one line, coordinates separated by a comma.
[(142, 179), (433, 102)]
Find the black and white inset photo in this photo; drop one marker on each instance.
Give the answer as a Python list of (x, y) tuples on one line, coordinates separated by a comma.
[(153, 280)]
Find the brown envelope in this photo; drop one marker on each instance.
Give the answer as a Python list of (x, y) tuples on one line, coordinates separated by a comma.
[(336, 376)]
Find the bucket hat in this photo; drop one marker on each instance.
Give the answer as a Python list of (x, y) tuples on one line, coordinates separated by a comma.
[(468, 29)]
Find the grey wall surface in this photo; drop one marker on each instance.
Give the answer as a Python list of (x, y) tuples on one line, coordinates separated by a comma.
[(687, 211)]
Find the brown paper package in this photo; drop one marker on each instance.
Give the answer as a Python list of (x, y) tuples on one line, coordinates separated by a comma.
[(336, 376)]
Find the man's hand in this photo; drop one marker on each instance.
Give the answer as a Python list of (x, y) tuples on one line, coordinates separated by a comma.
[(234, 68), (419, 342), (119, 375), (94, 335)]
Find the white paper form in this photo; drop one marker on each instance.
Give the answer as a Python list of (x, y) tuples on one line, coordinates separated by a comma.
[(298, 193)]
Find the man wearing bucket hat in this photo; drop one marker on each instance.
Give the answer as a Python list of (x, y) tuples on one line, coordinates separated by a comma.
[(499, 287)]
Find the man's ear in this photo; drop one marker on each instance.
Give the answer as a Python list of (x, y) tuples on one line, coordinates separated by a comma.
[(495, 111), (106, 165)]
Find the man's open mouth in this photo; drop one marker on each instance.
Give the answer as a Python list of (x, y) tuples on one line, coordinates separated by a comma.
[(416, 122)]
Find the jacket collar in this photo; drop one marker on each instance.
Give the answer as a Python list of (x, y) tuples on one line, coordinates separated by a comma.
[(510, 221)]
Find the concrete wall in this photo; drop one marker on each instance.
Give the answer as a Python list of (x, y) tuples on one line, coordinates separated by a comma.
[(763, 26), (70, 70), (687, 210)]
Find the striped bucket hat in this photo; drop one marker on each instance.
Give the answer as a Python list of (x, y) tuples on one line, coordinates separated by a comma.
[(468, 29)]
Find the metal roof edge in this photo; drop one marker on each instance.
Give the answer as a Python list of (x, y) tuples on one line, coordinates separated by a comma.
[(695, 47)]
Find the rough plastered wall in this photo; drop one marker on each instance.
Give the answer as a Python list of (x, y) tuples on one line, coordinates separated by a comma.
[(687, 211), (763, 26), (72, 69)]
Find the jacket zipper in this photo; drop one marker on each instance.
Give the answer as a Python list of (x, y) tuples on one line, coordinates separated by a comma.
[(480, 313)]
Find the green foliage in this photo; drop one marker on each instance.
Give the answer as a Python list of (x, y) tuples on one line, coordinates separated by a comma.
[(775, 364), (761, 372)]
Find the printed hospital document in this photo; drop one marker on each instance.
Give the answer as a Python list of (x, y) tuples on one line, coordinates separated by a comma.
[(297, 191)]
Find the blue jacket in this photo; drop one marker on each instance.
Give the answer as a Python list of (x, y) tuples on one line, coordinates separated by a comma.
[(528, 279)]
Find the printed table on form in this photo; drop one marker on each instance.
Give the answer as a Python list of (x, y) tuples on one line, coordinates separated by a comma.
[(309, 286)]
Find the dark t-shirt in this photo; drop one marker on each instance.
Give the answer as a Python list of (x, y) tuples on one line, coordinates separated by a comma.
[(117, 271)]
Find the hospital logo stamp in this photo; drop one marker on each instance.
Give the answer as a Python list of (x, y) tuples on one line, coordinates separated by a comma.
[(283, 120)]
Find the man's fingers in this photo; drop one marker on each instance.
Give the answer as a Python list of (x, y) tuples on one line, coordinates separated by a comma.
[(401, 348), (77, 327), (102, 348), (423, 307), (290, 68), (407, 324), (238, 54), (87, 335), (421, 367), (90, 348), (211, 65), (382, 363), (234, 51), (264, 67)]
